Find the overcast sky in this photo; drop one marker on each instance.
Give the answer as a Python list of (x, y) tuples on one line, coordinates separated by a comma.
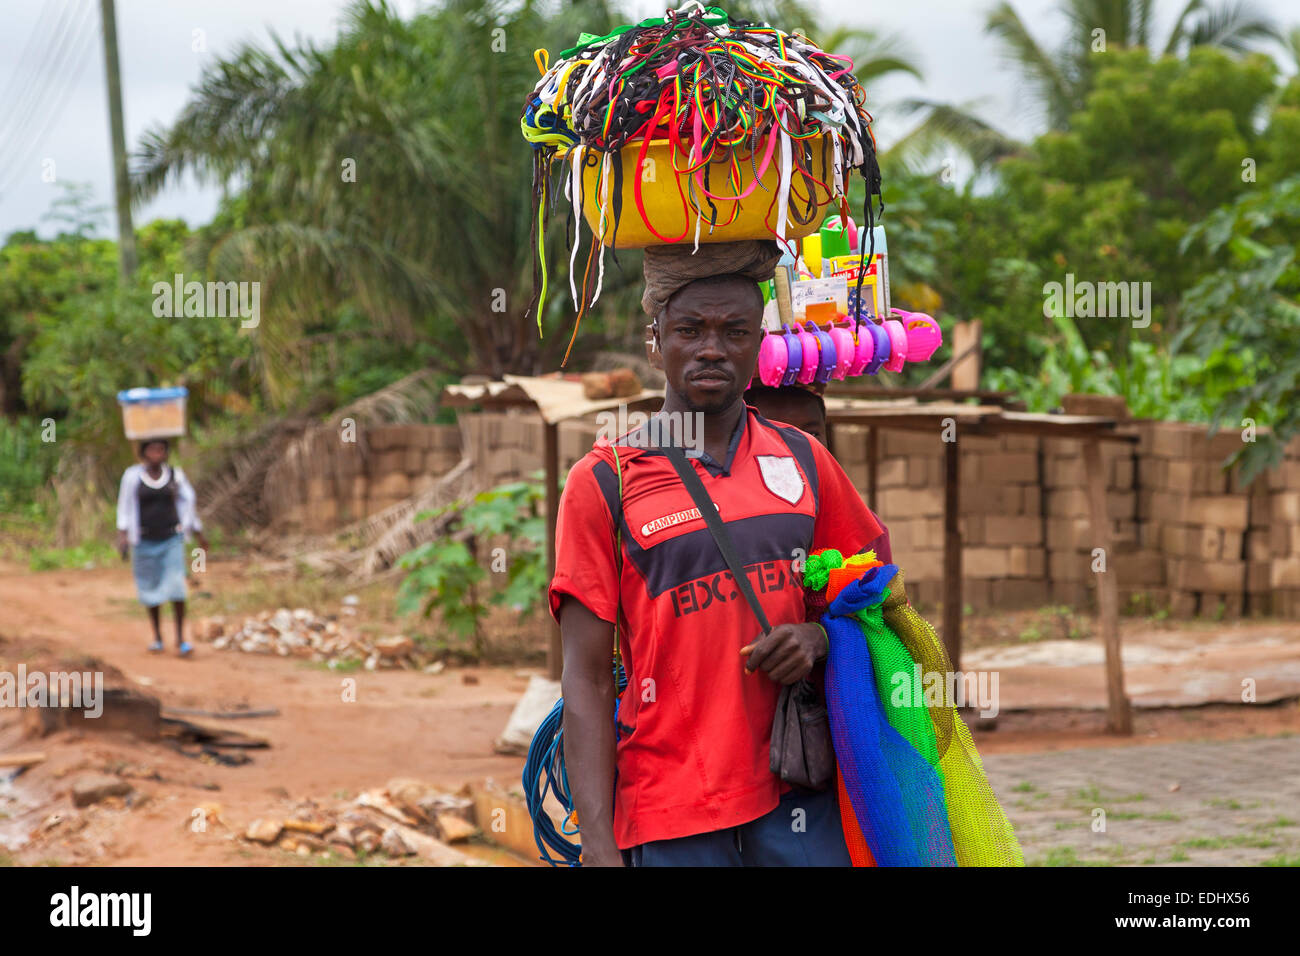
[(53, 113)]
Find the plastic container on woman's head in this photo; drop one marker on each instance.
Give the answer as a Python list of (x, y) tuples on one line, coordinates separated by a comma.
[(153, 412)]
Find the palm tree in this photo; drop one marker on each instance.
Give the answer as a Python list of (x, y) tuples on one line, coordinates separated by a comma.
[(1061, 79), (385, 171)]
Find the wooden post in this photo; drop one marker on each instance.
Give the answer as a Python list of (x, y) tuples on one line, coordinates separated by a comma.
[(1119, 719), (873, 457), (555, 650), (966, 371), (952, 598)]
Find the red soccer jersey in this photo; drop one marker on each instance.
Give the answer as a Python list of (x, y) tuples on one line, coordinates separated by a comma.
[(693, 754)]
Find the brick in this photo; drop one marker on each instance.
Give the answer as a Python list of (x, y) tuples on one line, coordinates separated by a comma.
[(920, 564), (912, 502), (906, 442), (1279, 537), (388, 461), (393, 486), (1139, 568), (1219, 511), (1020, 443), (1019, 593), (1176, 440), (1256, 545), (1285, 506), (1063, 473), (1070, 503), (1024, 562), (850, 444), (891, 473), (1259, 576), (1121, 473), (1009, 468), (924, 472), (986, 562), (1014, 529), (1063, 447), (1121, 504), (1233, 545), (413, 460), (1193, 575), (1285, 573), (1067, 534), (1068, 566), (1073, 593), (974, 528), (1032, 500), (1182, 604), (1152, 472), (1182, 476)]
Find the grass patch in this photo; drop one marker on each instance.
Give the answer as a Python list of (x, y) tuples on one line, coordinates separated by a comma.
[(1024, 787), (1274, 824), (1166, 815), (1065, 856), (1282, 860)]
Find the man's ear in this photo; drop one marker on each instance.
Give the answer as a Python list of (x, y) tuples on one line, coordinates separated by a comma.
[(653, 353)]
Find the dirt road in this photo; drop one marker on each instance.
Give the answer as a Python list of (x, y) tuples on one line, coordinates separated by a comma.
[(434, 728)]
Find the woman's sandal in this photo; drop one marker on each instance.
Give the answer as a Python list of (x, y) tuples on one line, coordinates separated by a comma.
[(185, 648), (156, 647)]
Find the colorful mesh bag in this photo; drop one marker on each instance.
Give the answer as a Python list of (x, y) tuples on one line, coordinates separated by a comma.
[(896, 796)]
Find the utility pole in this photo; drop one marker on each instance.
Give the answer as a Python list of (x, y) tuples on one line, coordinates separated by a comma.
[(125, 232)]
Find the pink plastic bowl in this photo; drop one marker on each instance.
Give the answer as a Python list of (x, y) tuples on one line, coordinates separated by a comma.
[(845, 351), (772, 360), (811, 356), (863, 352), (897, 345)]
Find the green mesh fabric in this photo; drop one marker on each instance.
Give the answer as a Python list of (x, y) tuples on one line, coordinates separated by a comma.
[(896, 681)]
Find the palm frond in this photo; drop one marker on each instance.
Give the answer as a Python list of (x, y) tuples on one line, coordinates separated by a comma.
[(1039, 69)]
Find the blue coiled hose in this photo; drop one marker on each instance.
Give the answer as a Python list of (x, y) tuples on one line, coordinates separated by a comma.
[(544, 772)]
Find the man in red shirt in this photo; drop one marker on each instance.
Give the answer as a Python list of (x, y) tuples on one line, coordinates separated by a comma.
[(691, 745)]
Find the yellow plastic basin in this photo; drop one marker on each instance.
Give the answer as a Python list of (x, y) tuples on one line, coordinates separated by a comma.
[(668, 214)]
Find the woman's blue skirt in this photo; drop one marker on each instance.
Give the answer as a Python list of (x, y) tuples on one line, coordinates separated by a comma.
[(159, 569)]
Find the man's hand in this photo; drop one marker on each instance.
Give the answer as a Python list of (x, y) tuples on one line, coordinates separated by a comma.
[(122, 544), (788, 653)]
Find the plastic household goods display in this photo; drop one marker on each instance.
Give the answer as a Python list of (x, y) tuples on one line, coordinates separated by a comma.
[(153, 412), (695, 127), (913, 791), (844, 348)]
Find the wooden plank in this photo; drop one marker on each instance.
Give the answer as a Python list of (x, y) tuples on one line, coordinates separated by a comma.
[(952, 596), (873, 462), (22, 760), (1119, 718), (554, 649), (967, 336)]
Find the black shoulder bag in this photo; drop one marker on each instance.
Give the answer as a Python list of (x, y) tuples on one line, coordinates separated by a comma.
[(802, 753)]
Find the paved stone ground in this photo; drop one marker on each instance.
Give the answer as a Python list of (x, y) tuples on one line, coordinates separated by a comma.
[(1236, 803)]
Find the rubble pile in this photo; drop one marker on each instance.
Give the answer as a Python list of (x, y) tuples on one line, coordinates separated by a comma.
[(302, 633), (408, 818)]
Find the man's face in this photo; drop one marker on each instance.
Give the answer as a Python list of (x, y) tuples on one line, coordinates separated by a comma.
[(709, 338)]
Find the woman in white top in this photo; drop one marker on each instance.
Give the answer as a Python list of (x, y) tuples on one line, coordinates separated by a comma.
[(155, 516)]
